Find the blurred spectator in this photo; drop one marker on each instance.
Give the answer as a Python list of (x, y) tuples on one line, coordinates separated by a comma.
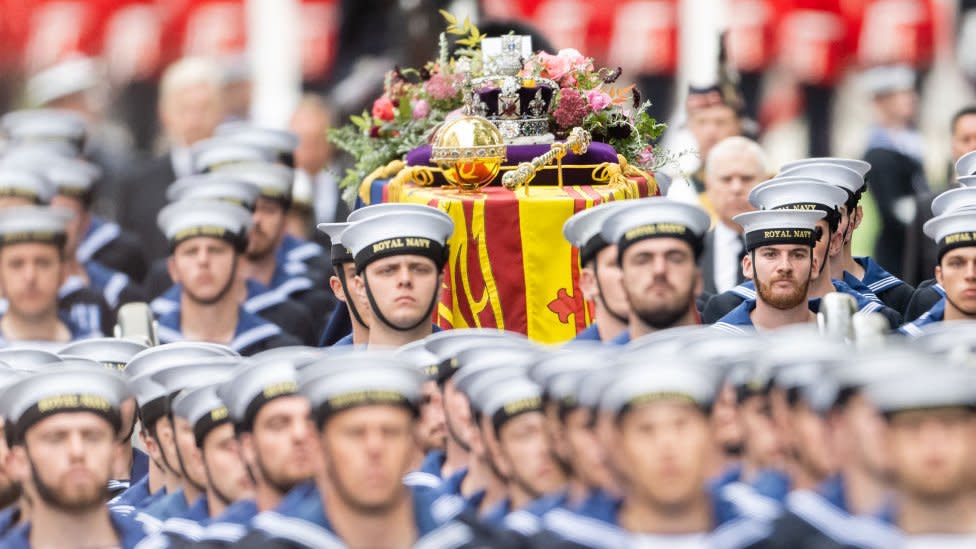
[(734, 166), (922, 258), (190, 108), (895, 152), (713, 115), (317, 197), (237, 89), (76, 85)]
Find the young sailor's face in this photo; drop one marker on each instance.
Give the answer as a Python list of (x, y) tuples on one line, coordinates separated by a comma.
[(189, 454), (205, 266), (30, 276), (66, 458), (268, 224), (282, 443), (660, 278), (431, 429), (783, 272), (663, 451), (587, 456), (931, 452), (525, 457), (367, 451), (402, 287), (957, 274), (225, 469)]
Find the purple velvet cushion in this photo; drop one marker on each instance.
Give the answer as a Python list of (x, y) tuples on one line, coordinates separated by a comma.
[(598, 153)]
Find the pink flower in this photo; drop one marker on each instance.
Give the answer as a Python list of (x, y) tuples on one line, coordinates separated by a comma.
[(556, 66), (571, 109), (576, 59), (646, 156), (420, 109), (440, 87), (598, 100), (383, 109)]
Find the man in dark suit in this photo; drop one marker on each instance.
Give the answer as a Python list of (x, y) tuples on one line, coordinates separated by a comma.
[(189, 109), (733, 167)]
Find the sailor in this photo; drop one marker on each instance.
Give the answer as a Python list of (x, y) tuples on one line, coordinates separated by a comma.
[(359, 499), (806, 193), (658, 242), (272, 305), (512, 424), (132, 464), (207, 491), (281, 145), (206, 239), (465, 467), (599, 277), (349, 324), (201, 416), (37, 136), (14, 508), (64, 424), (928, 441), (954, 233), (276, 442), (659, 420), (32, 263), (849, 175), (399, 260), (853, 507), (431, 428), (780, 260), (165, 477)]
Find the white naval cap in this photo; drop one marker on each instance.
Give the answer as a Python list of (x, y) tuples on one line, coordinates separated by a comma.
[(376, 379), (58, 390), (583, 229), (448, 344), (417, 354), (74, 75), (861, 167), (635, 386), (953, 200), (273, 181), (39, 125), (842, 176), (930, 385), (202, 409), (956, 229), (475, 361), (73, 177), (190, 218), (798, 193), (506, 399), (400, 233), (339, 253), (652, 218), (888, 79), (109, 351), (28, 359), (216, 153), (173, 354), (385, 208), (28, 184), (966, 165), (281, 144), (34, 224), (218, 187), (771, 227), (254, 385), (205, 371)]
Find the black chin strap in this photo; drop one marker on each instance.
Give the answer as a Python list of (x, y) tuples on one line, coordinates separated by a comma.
[(599, 289), (379, 314), (341, 275)]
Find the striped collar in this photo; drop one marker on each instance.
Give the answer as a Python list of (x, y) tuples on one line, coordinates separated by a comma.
[(933, 315), (250, 330), (100, 233)]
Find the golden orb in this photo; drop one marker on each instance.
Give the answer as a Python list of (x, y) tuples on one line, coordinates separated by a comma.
[(469, 151)]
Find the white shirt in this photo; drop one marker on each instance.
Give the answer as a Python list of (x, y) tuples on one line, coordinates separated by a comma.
[(687, 541), (728, 246), (182, 160)]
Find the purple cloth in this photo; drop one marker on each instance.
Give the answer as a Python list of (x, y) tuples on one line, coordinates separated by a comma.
[(597, 153)]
